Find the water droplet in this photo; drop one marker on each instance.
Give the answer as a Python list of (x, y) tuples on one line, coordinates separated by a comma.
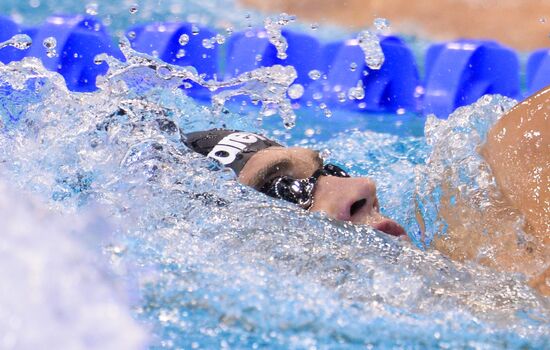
[(247, 15), (91, 8), (370, 44), (194, 29), (50, 42), (131, 34), (342, 97), (314, 74), (314, 26), (155, 54), (542, 20), (229, 30), (382, 25), (295, 91), (134, 9), (220, 39), (309, 132), (356, 93), (34, 3), (273, 26), (207, 43), (184, 39), (19, 41), (353, 66), (180, 53), (258, 58)]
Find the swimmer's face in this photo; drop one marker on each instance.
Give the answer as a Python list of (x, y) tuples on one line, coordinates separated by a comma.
[(351, 199)]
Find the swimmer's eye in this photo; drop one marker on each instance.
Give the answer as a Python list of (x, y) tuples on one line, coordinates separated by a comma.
[(300, 191)]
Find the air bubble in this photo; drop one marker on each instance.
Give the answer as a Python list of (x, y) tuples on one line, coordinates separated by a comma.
[(314, 26), (131, 34), (353, 66), (194, 29), (180, 53)]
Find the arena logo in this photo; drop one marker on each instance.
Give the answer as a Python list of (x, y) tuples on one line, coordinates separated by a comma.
[(229, 147)]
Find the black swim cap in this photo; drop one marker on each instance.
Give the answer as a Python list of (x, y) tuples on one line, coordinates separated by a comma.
[(232, 148)]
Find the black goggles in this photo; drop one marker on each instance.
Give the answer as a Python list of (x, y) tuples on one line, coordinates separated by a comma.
[(300, 191)]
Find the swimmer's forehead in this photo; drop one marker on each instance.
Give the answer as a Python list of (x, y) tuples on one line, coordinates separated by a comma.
[(271, 162)]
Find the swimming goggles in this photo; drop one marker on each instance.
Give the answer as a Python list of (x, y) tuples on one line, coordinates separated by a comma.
[(300, 191)]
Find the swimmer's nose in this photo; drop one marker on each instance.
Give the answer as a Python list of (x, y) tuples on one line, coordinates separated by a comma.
[(352, 199)]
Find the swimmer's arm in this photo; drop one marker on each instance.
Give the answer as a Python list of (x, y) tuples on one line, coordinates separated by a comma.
[(518, 152)]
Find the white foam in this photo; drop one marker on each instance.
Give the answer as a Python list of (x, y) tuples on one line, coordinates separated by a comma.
[(53, 295)]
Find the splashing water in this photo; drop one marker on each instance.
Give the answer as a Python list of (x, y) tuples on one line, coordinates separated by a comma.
[(265, 85), (370, 44), (214, 264), (274, 26)]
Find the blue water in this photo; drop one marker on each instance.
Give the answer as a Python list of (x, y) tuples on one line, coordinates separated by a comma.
[(199, 261)]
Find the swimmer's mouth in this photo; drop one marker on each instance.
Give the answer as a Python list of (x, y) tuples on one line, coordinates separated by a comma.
[(390, 227)]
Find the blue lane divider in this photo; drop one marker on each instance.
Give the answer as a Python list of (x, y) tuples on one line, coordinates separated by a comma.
[(457, 73), (391, 88), (248, 50), (460, 72), (78, 40), (538, 70), (163, 40)]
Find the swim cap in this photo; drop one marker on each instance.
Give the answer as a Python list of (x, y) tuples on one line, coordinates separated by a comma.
[(232, 148)]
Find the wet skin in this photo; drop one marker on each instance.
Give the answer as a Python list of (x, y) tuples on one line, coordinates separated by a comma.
[(351, 199)]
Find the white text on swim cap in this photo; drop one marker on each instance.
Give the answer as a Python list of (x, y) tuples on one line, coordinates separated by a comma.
[(229, 147)]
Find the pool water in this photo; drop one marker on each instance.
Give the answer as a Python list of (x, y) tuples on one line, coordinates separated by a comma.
[(166, 250)]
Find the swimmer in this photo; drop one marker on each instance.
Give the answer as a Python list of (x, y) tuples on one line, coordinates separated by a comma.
[(520, 165), (295, 174)]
